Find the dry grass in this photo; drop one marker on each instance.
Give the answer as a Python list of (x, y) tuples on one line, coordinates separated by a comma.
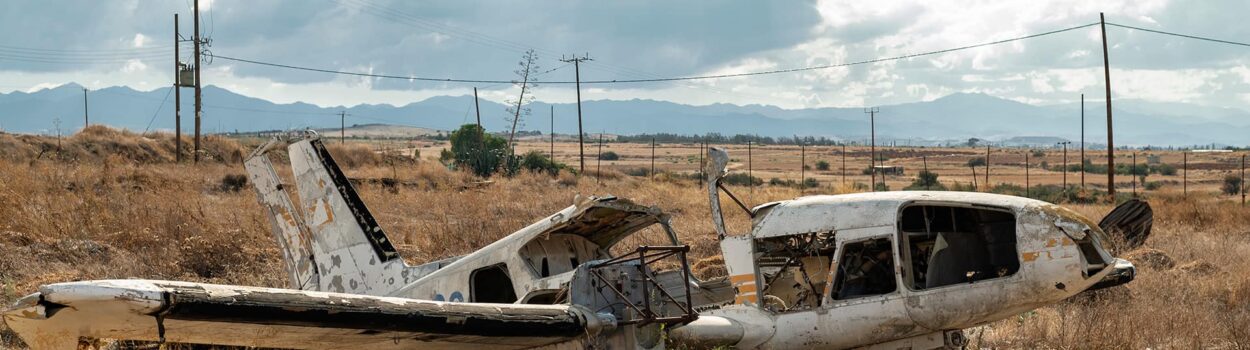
[(139, 215)]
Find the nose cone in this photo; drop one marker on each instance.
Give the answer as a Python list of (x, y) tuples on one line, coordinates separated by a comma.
[(1122, 272)]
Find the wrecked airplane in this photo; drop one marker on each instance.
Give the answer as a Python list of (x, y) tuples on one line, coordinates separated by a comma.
[(874, 270)]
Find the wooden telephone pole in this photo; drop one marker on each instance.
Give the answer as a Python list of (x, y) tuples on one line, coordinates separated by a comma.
[(177, 94), (577, 75), (86, 121), (1106, 69), (199, 103), (872, 129), (477, 108), (342, 127)]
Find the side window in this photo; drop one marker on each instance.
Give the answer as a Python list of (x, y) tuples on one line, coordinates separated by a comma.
[(491, 285), (945, 245), (865, 268), (795, 270)]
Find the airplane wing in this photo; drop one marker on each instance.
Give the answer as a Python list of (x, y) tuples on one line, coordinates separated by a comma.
[(61, 315)]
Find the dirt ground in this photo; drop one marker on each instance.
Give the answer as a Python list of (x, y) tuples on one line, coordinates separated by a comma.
[(97, 217)]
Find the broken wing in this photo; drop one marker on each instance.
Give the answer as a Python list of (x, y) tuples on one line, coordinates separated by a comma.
[(60, 314)]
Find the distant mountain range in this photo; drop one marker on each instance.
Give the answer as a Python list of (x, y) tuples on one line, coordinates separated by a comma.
[(952, 118)]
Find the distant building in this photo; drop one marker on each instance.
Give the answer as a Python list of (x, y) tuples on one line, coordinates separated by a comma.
[(888, 169)]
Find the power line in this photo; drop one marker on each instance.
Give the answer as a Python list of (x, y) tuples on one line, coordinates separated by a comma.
[(668, 79), (158, 111), (1180, 35)]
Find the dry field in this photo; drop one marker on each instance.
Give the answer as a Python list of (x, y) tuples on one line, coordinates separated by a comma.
[(114, 205)]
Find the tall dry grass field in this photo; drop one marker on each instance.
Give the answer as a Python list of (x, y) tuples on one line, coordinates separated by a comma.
[(126, 210)]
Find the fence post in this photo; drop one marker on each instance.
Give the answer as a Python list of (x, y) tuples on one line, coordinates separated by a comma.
[(750, 175), (653, 157), (1026, 172), (844, 163), (987, 166), (1134, 175), (802, 167), (1185, 173)]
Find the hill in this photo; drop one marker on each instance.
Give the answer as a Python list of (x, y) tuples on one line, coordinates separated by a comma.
[(955, 117)]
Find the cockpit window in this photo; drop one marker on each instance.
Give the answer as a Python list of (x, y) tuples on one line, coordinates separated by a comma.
[(945, 245), (866, 268)]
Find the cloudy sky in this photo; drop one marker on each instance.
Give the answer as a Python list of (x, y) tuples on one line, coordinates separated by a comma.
[(129, 42)]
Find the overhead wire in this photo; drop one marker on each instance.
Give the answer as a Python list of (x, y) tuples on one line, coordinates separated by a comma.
[(158, 111), (1230, 42), (666, 79)]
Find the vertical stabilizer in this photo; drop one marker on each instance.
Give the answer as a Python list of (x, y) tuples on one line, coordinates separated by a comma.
[(288, 225), (353, 255)]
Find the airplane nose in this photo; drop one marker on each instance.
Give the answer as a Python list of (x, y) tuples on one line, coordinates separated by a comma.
[(1122, 272)]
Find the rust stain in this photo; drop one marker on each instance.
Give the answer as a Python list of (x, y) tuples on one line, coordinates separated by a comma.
[(1029, 256), (329, 213), (735, 279)]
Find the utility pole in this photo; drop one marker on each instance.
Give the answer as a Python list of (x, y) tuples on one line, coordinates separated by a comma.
[(1065, 165), (57, 123), (1106, 69), (653, 157), (701, 174), (199, 103), (802, 166), (477, 108), (342, 127), (925, 159), (750, 176), (177, 94), (1026, 172), (553, 132), (599, 160), (872, 127), (987, 166), (85, 120), (1082, 142), (1133, 173), (577, 74)]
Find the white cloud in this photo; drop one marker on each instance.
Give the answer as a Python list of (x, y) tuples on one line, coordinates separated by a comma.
[(134, 66), (139, 40)]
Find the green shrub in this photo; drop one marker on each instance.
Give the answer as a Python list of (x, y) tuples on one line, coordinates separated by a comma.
[(978, 161), (741, 179), (811, 183), (1232, 184), (609, 155), (483, 153), (536, 161), (926, 180), (822, 165)]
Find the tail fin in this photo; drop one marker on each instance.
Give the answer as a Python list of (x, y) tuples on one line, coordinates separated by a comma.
[(288, 226), (348, 250)]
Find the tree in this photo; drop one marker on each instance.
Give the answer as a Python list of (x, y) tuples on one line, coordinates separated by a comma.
[(528, 67), (822, 165), (1232, 185), (972, 142), (478, 151)]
